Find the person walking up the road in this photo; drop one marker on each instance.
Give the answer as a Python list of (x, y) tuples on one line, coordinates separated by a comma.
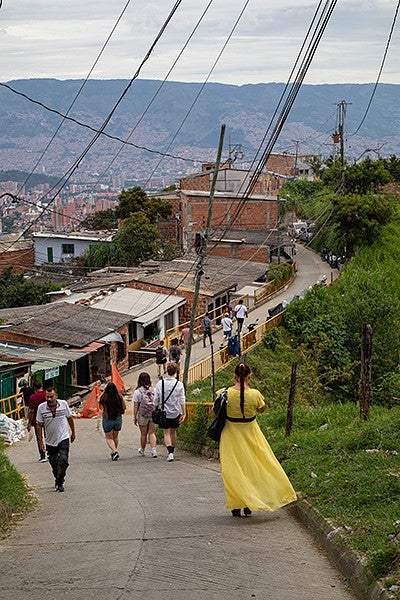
[(27, 391), (206, 328), (175, 353), (54, 418), (113, 406), (240, 314), (35, 399), (144, 402), (161, 357), (172, 392), (252, 476), (227, 324), (185, 334)]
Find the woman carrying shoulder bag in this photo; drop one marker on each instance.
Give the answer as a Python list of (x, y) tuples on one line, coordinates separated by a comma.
[(252, 476), (171, 392)]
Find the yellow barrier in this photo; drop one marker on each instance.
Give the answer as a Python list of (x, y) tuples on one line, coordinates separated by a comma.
[(249, 340), (202, 369), (261, 296), (13, 406), (191, 408)]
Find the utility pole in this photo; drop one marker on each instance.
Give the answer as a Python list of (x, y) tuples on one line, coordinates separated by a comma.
[(202, 251), (296, 156), (342, 107)]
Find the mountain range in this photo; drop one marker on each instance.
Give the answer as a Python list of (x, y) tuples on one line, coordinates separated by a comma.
[(184, 120)]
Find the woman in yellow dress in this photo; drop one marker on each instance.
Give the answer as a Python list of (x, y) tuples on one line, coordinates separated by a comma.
[(252, 476)]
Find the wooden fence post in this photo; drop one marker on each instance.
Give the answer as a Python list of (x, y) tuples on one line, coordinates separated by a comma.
[(292, 393), (365, 375)]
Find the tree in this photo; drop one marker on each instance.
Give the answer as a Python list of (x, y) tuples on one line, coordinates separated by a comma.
[(138, 239), (18, 291), (102, 219), (369, 175), (102, 254), (135, 200), (360, 219)]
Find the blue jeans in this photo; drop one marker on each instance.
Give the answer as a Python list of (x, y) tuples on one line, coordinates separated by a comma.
[(58, 459)]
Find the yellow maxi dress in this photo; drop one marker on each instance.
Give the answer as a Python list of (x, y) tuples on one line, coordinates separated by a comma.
[(251, 473)]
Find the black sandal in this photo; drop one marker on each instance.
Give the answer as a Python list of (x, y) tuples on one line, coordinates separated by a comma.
[(235, 512), (246, 512)]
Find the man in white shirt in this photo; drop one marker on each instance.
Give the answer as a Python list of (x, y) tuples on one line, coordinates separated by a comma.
[(54, 418), (240, 314), (226, 323)]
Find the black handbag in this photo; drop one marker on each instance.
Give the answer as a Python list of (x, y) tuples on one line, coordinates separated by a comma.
[(159, 416), (214, 430)]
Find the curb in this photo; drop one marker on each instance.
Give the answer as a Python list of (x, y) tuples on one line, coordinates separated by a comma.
[(346, 560)]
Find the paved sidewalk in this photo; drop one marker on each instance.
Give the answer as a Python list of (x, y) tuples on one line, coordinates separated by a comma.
[(142, 528)]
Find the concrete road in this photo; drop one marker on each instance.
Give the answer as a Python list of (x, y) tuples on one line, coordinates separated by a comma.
[(142, 528)]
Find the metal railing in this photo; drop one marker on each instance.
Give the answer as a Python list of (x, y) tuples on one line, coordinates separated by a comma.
[(191, 408), (248, 341), (13, 406), (261, 295)]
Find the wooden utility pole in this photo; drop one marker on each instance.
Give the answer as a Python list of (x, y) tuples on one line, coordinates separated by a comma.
[(342, 106), (365, 376), (202, 251), (292, 393)]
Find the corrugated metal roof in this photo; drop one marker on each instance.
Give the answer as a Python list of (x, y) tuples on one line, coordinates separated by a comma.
[(62, 323), (141, 306)]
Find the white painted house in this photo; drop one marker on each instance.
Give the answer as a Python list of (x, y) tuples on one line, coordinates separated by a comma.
[(151, 313), (63, 247)]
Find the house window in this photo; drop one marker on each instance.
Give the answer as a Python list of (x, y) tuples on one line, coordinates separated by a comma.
[(50, 257), (67, 248)]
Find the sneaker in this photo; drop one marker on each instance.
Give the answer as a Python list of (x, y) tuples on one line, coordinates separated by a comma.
[(141, 451), (42, 459), (170, 457), (154, 453), (60, 488), (115, 456)]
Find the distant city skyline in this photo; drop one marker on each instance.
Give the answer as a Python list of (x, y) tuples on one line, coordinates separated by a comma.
[(58, 39)]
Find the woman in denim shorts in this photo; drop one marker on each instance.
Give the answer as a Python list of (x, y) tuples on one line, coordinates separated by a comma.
[(113, 406)]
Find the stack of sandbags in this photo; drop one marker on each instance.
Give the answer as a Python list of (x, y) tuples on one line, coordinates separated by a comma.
[(11, 431)]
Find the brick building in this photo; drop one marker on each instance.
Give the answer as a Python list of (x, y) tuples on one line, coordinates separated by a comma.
[(259, 211), (19, 255)]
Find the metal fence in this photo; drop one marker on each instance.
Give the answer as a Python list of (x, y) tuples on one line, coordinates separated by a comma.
[(13, 406), (248, 341)]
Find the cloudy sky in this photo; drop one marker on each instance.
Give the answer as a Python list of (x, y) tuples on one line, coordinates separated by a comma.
[(62, 39)]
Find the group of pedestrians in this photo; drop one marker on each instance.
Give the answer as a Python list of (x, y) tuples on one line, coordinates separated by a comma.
[(168, 394), (240, 312)]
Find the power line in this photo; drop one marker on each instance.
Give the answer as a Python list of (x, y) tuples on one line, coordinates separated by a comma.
[(157, 92), (64, 180), (202, 86), (380, 70), (94, 129), (78, 93)]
